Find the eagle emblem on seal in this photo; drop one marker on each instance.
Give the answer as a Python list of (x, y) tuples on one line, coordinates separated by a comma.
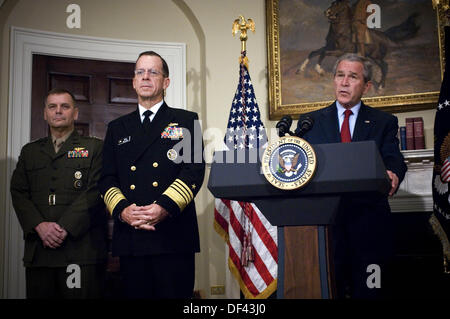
[(289, 164)]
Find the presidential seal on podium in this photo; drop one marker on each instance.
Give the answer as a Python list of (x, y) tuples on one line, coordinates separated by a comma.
[(289, 163)]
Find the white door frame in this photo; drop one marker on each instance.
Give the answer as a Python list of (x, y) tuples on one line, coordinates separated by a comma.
[(26, 42)]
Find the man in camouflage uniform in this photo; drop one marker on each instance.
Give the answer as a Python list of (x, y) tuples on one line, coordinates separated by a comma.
[(55, 196)]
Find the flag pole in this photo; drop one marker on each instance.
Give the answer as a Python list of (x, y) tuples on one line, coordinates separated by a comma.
[(251, 239), (242, 25)]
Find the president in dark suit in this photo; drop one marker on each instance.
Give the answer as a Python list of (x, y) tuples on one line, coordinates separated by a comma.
[(362, 232), (152, 169)]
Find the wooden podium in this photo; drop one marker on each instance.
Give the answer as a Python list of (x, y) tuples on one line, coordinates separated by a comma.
[(305, 268)]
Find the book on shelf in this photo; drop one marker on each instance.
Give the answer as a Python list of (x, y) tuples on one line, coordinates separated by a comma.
[(419, 138), (409, 121), (402, 137)]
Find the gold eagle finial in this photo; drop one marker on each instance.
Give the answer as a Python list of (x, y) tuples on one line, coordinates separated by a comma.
[(443, 3), (242, 25), (443, 10)]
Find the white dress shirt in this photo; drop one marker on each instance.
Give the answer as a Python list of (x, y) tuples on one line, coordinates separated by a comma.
[(154, 109)]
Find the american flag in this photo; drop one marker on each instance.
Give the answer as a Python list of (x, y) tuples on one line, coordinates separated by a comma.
[(440, 219), (445, 171), (251, 239)]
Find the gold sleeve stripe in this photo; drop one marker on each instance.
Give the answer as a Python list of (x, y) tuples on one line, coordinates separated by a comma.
[(185, 187), (176, 197), (181, 188), (180, 193), (112, 197), (111, 193)]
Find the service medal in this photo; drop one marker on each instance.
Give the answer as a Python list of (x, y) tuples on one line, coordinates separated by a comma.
[(172, 154), (172, 131), (78, 184), (78, 152)]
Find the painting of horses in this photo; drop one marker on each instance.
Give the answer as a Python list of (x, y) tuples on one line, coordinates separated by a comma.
[(309, 35)]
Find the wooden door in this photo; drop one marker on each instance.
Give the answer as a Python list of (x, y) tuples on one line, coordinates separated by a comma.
[(103, 91)]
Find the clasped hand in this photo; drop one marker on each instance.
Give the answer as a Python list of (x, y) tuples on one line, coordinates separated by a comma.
[(144, 217), (51, 234)]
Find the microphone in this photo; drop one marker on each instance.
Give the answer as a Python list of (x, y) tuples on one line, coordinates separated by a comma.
[(284, 125), (305, 125)]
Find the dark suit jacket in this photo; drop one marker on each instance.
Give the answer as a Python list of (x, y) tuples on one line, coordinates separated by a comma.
[(366, 217), (139, 165), (371, 124), (78, 207)]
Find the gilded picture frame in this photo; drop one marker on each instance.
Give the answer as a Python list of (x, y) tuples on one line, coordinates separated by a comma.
[(409, 86)]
